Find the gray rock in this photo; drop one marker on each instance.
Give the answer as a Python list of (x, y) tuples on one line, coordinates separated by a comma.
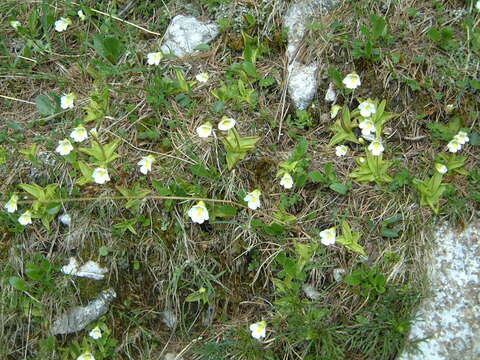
[(448, 321), (79, 317), (185, 33), (302, 83)]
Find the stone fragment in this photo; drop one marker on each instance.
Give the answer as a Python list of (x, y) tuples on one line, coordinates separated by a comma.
[(77, 318), (302, 83), (90, 269), (185, 33), (447, 324)]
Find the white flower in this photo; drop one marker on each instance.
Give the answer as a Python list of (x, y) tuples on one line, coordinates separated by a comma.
[(351, 81), (226, 123), (202, 77), (253, 199), (79, 134), (154, 58), (204, 130), (461, 137), (86, 356), (376, 147), (146, 164), (81, 15), (65, 219), (334, 111), (327, 237), (15, 24), (341, 150), (62, 24), (25, 218), (66, 101), (259, 329), (286, 181), (100, 175), (454, 145), (95, 333), (330, 95), (477, 5), (367, 108), (449, 108), (442, 169), (367, 127), (64, 147), (12, 205), (198, 213)]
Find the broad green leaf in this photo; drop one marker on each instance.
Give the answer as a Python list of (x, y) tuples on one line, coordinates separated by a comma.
[(34, 190), (108, 47), (45, 105), (18, 283), (224, 211)]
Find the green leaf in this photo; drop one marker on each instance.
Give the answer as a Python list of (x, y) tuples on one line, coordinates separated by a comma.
[(18, 283), (45, 106), (225, 211), (340, 188), (109, 47), (202, 171), (202, 47), (34, 190)]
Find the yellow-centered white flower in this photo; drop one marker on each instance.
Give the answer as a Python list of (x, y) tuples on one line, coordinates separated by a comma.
[(154, 58), (198, 213), (81, 15), (66, 101), (226, 123), (442, 169), (461, 137), (15, 24), (12, 205), (376, 147), (341, 150), (454, 146), (62, 24), (146, 164), (258, 329), (205, 130), (253, 199), (64, 147), (100, 175), (202, 77), (327, 237), (79, 134), (367, 108), (25, 218), (351, 81), (286, 181), (334, 111), (86, 356), (95, 333), (367, 127)]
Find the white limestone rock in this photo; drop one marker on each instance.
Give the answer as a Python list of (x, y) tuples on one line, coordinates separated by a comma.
[(448, 321), (185, 33), (302, 83)]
